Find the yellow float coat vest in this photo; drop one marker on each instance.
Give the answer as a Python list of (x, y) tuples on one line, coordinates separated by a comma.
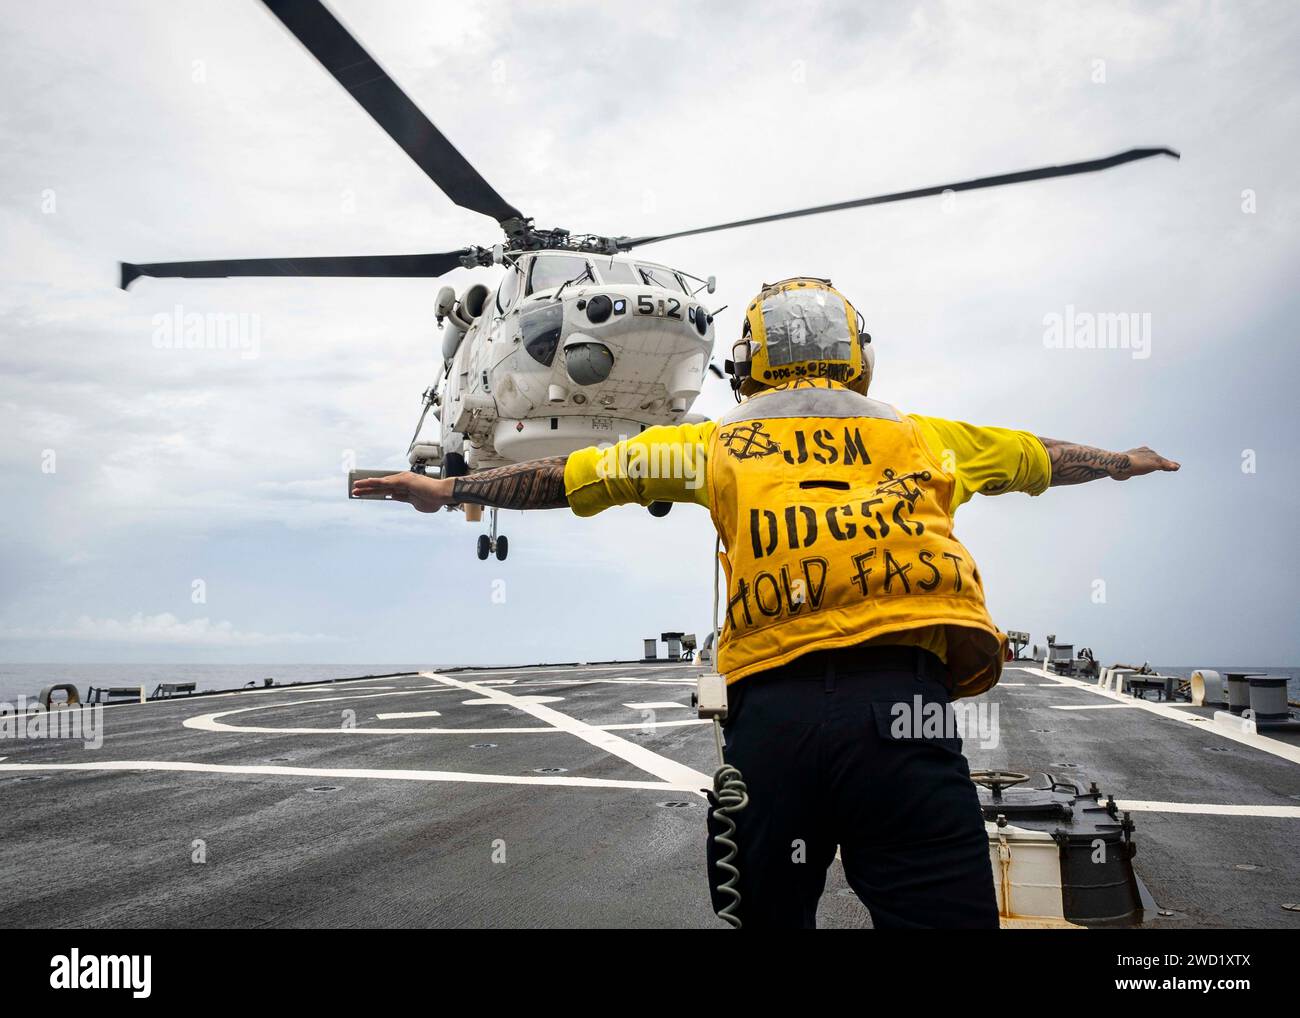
[(834, 517)]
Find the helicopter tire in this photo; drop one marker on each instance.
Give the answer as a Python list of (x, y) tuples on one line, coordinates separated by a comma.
[(484, 546), (503, 548)]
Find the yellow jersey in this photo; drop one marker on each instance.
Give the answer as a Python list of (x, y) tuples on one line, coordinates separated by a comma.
[(672, 463)]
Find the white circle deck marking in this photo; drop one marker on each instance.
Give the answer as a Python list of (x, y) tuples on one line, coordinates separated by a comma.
[(213, 722), (670, 774)]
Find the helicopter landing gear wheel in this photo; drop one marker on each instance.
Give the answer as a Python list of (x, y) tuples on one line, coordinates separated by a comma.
[(493, 543)]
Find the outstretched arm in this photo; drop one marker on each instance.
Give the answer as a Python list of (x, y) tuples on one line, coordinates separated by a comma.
[(664, 463), (1073, 463), (537, 484)]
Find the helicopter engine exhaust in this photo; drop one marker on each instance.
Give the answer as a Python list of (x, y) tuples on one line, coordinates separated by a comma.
[(456, 316), (470, 306)]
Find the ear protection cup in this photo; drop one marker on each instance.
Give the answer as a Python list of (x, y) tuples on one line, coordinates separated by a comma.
[(863, 381)]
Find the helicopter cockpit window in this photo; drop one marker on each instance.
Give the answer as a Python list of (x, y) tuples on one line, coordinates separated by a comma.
[(508, 290), (550, 271), (616, 272), (541, 325), (657, 275)]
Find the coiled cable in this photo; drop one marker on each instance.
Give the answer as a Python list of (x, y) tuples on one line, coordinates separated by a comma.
[(729, 796), (729, 793)]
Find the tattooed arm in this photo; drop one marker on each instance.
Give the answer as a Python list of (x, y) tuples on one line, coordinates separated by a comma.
[(1074, 464), (537, 484)]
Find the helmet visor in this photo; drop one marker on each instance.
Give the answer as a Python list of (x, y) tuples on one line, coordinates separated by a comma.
[(806, 325)]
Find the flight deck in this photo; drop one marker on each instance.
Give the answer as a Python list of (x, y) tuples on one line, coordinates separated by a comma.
[(553, 796)]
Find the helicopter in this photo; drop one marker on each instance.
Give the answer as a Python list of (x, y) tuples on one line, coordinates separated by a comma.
[(580, 343)]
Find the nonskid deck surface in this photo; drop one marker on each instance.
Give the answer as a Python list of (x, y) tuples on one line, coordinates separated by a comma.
[(1217, 811), (560, 796)]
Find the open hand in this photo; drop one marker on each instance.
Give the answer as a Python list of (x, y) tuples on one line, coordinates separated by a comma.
[(427, 494), (1144, 460)]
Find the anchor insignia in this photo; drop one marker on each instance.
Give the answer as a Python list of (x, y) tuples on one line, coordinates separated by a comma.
[(749, 441)]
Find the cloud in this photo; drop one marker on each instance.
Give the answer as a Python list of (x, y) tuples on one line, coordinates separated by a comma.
[(146, 132)]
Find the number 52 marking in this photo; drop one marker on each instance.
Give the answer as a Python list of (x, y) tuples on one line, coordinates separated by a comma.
[(669, 307)]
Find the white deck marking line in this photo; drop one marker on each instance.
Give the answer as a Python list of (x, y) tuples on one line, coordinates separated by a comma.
[(410, 714), (536, 669), (638, 756), (626, 680), (1209, 809), (1093, 706), (352, 772), (480, 702), (1002, 684), (655, 705), (213, 723), (1266, 745)]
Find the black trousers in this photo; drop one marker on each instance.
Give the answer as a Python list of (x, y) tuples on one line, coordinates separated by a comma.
[(830, 760)]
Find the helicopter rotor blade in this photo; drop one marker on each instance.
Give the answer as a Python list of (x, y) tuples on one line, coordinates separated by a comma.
[(1041, 173), (417, 266), (326, 38)]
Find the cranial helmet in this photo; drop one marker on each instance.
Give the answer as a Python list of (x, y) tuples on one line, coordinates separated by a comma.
[(801, 328)]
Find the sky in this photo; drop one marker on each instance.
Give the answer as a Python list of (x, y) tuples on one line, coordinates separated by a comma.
[(188, 505)]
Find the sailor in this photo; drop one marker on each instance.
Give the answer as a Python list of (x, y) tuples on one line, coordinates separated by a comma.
[(850, 607)]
